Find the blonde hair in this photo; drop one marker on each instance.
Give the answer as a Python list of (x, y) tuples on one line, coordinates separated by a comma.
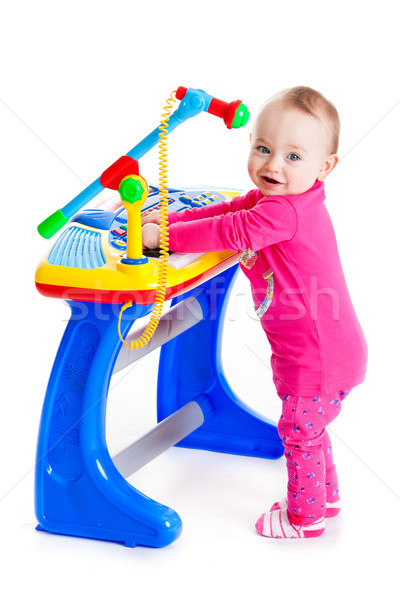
[(313, 103)]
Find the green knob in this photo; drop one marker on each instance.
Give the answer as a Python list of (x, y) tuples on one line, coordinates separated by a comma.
[(241, 116), (52, 224), (131, 190)]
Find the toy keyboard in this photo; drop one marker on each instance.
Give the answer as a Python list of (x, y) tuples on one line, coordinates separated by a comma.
[(84, 262)]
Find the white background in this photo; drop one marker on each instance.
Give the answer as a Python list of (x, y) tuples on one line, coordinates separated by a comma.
[(80, 84)]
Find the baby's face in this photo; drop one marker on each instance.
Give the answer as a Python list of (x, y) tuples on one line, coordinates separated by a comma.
[(289, 150)]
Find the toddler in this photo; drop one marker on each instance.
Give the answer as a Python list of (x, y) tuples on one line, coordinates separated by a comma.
[(287, 249)]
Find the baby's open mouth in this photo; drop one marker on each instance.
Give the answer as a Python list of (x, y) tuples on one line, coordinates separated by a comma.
[(270, 180)]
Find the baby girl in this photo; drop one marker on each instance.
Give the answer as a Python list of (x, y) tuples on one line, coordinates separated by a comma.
[(287, 249)]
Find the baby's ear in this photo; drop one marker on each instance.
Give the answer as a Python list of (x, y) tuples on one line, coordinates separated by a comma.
[(250, 137), (328, 166)]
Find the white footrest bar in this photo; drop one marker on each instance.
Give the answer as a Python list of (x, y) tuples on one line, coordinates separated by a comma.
[(166, 434)]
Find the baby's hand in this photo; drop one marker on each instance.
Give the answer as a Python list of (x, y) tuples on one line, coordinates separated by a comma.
[(153, 217), (151, 235)]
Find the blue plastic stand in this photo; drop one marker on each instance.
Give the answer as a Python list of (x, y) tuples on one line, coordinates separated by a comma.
[(190, 369), (78, 489)]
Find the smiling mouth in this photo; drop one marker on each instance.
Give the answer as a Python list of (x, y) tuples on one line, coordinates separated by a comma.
[(270, 180)]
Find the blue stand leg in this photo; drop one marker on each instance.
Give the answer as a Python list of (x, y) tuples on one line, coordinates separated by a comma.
[(78, 490), (190, 369)]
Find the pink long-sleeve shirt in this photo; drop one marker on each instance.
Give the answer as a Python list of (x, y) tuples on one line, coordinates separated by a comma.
[(316, 340)]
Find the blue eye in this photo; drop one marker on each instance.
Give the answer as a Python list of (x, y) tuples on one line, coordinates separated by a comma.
[(293, 157), (263, 149)]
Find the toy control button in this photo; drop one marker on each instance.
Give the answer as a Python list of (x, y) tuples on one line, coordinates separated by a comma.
[(185, 199), (119, 243), (119, 231)]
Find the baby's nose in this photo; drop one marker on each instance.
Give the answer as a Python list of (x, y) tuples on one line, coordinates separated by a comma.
[(273, 162)]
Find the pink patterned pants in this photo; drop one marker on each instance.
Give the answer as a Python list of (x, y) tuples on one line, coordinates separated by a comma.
[(312, 479)]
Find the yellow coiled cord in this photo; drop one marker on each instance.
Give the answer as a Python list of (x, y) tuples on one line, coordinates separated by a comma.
[(164, 237)]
